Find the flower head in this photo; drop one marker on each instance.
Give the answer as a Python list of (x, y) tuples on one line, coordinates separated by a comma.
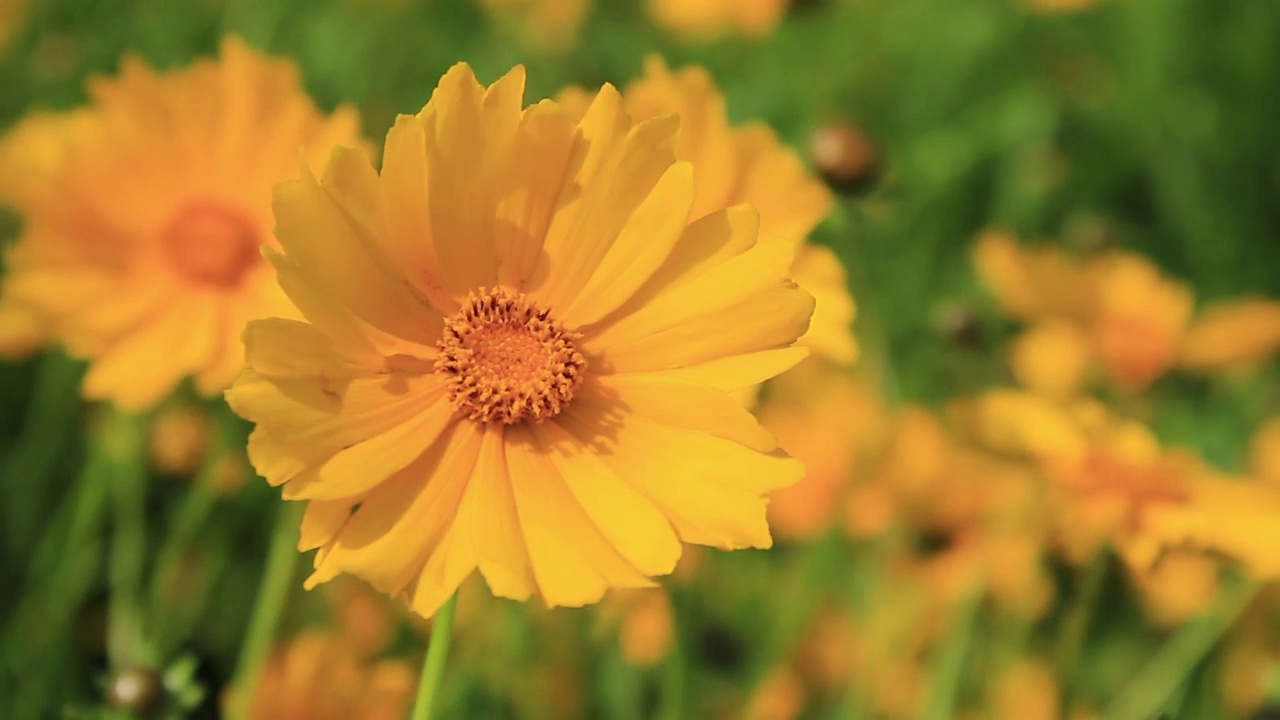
[(519, 354), (703, 19), (143, 217)]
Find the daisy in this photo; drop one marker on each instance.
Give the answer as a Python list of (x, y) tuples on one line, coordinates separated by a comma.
[(519, 354), (144, 214)]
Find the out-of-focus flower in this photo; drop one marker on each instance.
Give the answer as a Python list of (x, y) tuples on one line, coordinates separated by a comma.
[(780, 696), (1246, 671), (179, 439), (365, 620), (644, 623), (830, 421), (320, 677), (525, 369), (1030, 283), (707, 19), (143, 217), (550, 25), (1138, 319), (749, 165), (1060, 6), (1181, 585), (1115, 309), (1264, 452), (1051, 358), (1026, 690), (1234, 334)]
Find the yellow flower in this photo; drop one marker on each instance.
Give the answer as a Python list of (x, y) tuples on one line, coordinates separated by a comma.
[(1029, 283), (1051, 358), (547, 24), (645, 624), (519, 354), (179, 439), (1139, 318), (1264, 452), (320, 677), (780, 696), (1026, 690), (748, 165), (1180, 586), (142, 225), (829, 420), (1238, 333), (706, 19)]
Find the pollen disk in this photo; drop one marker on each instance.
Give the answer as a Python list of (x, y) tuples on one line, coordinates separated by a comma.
[(211, 243), (504, 359)]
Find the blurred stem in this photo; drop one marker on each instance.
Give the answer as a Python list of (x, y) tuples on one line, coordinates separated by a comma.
[(437, 654), (188, 521), (122, 439), (273, 594), (949, 669), (1078, 618), (1173, 662), (672, 696), (50, 413)]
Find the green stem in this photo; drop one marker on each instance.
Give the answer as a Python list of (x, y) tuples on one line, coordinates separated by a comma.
[(188, 521), (273, 594), (1156, 682), (437, 653), (122, 439), (1075, 624), (949, 669)]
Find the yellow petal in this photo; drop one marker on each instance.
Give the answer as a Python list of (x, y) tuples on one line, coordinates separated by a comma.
[(488, 513), (643, 245), (572, 561), (635, 527), (321, 521), (679, 403), (399, 526)]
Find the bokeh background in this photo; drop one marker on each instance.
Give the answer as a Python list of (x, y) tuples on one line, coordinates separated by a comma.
[(1146, 126)]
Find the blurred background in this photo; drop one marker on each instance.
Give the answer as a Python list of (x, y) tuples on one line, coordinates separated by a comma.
[(986, 154)]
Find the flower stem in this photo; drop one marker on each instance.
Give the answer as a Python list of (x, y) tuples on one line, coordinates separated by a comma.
[(121, 444), (1171, 664), (273, 594), (437, 653)]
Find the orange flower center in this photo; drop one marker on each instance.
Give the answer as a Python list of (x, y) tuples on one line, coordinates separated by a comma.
[(211, 243), (504, 359)]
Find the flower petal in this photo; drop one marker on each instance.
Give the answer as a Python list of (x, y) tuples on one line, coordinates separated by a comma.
[(679, 403)]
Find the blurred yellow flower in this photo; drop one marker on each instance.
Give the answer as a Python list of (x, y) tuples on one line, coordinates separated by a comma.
[(1030, 283), (320, 677), (550, 25), (143, 217), (1233, 334), (1179, 586), (519, 354), (645, 624), (829, 420), (1264, 452), (707, 19), (1051, 358), (1138, 319), (1026, 690), (780, 696), (179, 439), (749, 165)]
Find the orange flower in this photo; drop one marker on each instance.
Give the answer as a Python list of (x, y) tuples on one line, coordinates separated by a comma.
[(706, 19), (1139, 318), (1027, 690), (1239, 333), (748, 165), (828, 420), (519, 354), (1181, 585), (1030, 283), (144, 214), (320, 677)]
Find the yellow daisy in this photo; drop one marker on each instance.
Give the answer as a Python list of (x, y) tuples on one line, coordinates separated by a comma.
[(143, 215), (519, 354), (748, 164)]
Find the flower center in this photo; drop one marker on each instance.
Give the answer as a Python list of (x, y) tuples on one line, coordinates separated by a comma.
[(504, 359), (212, 243)]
